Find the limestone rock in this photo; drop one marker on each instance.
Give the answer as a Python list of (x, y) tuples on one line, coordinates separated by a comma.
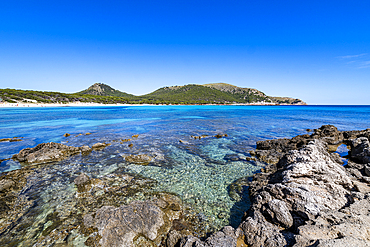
[(226, 237), (360, 150), (99, 146), (280, 213), (48, 152), (367, 170), (141, 159), (312, 197), (119, 226), (259, 232)]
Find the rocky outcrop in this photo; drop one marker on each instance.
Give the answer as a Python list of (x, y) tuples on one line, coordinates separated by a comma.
[(361, 150), (51, 152), (306, 197), (271, 151), (48, 152)]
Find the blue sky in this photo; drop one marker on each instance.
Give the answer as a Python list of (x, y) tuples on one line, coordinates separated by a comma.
[(318, 51)]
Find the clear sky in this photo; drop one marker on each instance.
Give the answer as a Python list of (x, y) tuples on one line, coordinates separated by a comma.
[(318, 51)]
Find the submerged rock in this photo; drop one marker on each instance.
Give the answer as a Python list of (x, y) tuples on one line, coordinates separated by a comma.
[(14, 139), (100, 146), (119, 226), (221, 135), (305, 197), (48, 152), (141, 159)]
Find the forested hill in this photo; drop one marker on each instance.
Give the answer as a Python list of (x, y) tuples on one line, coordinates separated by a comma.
[(104, 90), (216, 93)]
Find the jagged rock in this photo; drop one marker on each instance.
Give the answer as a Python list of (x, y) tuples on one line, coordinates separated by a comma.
[(361, 187), (329, 134), (259, 232), (367, 170), (173, 238), (225, 237), (191, 241), (360, 150), (279, 212), (48, 152), (313, 195)]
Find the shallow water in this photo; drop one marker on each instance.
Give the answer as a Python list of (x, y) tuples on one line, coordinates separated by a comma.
[(198, 171)]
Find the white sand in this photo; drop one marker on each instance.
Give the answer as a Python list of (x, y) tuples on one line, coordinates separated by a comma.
[(4, 105)]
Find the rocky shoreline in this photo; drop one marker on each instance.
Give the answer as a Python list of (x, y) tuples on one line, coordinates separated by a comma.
[(303, 197)]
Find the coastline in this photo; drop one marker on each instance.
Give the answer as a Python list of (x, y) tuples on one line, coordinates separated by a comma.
[(304, 196), (82, 104)]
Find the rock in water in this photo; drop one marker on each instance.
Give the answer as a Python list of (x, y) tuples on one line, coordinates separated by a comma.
[(48, 152), (100, 146), (141, 159), (361, 150), (119, 226)]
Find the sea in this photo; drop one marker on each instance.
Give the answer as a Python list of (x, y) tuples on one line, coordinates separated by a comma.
[(197, 170)]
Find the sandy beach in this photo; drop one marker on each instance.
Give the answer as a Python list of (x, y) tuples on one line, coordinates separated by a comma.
[(5, 105)]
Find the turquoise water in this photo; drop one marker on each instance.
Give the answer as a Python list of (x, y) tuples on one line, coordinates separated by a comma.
[(198, 171)]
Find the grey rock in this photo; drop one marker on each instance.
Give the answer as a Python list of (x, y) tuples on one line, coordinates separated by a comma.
[(312, 193), (280, 213), (119, 226), (220, 239), (6, 184), (259, 232), (82, 179), (343, 242), (173, 238), (48, 152), (191, 241), (367, 170), (360, 150), (361, 187)]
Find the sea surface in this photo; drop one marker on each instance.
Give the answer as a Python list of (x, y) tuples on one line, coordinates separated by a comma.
[(199, 171)]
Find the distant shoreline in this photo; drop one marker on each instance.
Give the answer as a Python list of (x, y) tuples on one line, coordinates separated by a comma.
[(26, 105)]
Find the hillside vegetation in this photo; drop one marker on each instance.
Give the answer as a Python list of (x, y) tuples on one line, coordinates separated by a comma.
[(104, 90), (217, 93)]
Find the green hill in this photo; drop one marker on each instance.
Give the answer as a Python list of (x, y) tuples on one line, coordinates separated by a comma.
[(251, 95), (216, 93), (29, 96), (190, 94), (241, 95), (104, 90)]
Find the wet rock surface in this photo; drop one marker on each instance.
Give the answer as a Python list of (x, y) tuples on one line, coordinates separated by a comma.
[(305, 197), (48, 152)]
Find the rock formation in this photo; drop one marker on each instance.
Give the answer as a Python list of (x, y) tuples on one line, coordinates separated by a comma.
[(51, 152), (304, 197)]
